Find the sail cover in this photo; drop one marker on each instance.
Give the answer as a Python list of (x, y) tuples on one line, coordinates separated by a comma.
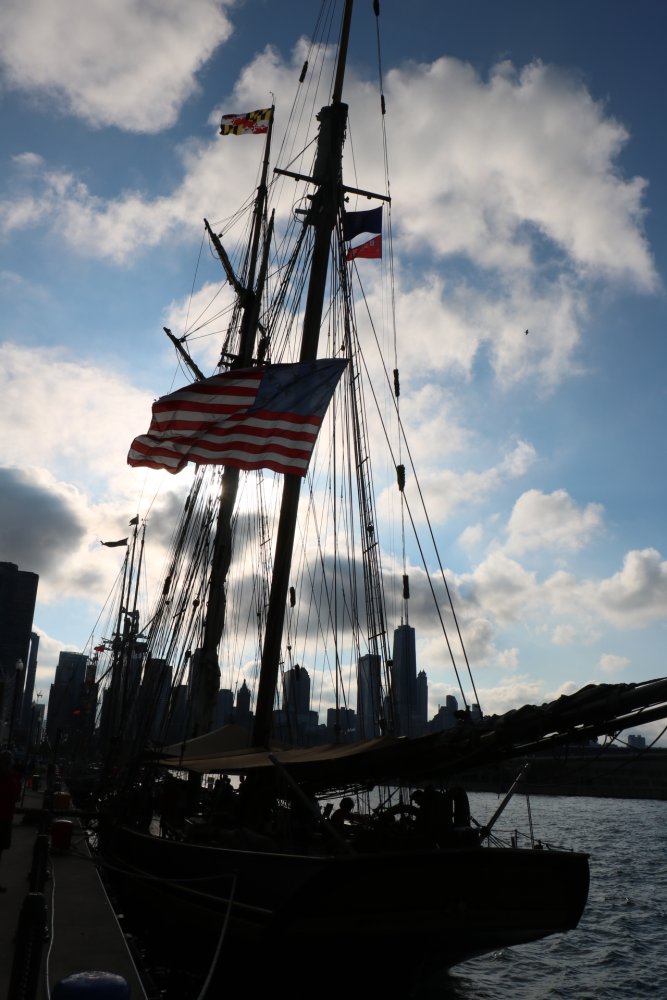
[(251, 418), (596, 709)]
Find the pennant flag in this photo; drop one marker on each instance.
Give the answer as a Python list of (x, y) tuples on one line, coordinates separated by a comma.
[(112, 545), (135, 520), (251, 418), (372, 250), (99, 649), (253, 122), (355, 223)]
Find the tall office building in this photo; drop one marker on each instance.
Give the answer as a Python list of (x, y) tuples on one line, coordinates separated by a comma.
[(29, 687), (422, 702), (243, 715), (154, 698), (296, 690), (409, 696), (36, 726), (203, 689), (224, 709), (18, 595), (295, 722), (66, 695), (177, 720), (120, 698), (369, 696), (446, 716), (341, 725)]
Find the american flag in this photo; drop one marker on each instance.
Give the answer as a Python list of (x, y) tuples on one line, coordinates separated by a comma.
[(251, 418)]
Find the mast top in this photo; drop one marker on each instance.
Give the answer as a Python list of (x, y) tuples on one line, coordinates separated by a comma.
[(342, 53)]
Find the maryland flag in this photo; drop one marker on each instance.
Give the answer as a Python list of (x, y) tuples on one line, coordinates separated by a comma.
[(254, 122)]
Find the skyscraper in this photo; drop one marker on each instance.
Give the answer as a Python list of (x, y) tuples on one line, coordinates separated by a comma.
[(154, 697), (224, 709), (29, 687), (296, 690), (18, 595), (295, 722), (405, 683), (369, 696), (65, 696), (422, 702), (242, 714)]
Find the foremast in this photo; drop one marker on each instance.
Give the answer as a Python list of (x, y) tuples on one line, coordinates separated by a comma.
[(325, 206), (207, 683)]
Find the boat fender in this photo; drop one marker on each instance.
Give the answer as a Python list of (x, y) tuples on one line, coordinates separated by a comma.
[(93, 985)]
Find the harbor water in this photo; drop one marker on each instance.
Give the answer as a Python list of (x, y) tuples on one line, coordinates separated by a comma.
[(619, 950)]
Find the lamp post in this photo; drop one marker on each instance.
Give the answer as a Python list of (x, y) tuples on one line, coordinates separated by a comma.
[(18, 691)]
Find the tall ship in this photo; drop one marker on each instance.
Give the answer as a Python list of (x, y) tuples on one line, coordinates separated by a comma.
[(240, 833)]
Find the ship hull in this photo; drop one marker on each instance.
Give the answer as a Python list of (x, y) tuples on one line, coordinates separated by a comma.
[(205, 904)]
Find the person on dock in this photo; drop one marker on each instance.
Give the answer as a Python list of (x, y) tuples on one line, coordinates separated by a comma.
[(10, 791)]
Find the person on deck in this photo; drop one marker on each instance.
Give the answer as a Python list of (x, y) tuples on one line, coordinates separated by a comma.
[(344, 815), (10, 790), (434, 819)]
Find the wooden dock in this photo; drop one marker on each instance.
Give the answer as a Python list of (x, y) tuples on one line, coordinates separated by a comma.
[(82, 932)]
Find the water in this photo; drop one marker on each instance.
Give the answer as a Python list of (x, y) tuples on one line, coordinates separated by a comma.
[(619, 950)]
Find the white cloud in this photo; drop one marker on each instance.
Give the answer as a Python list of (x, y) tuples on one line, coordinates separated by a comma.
[(28, 161), (501, 586), (573, 610), (508, 659), (446, 490), (564, 635), (472, 536), (125, 63), (521, 179), (636, 595), (632, 598), (65, 428), (612, 664), (523, 148), (66, 415), (510, 693), (551, 521)]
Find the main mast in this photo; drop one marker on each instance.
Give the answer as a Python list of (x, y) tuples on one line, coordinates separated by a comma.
[(326, 202)]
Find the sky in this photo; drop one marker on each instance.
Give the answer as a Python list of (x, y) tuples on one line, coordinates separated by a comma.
[(528, 166)]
